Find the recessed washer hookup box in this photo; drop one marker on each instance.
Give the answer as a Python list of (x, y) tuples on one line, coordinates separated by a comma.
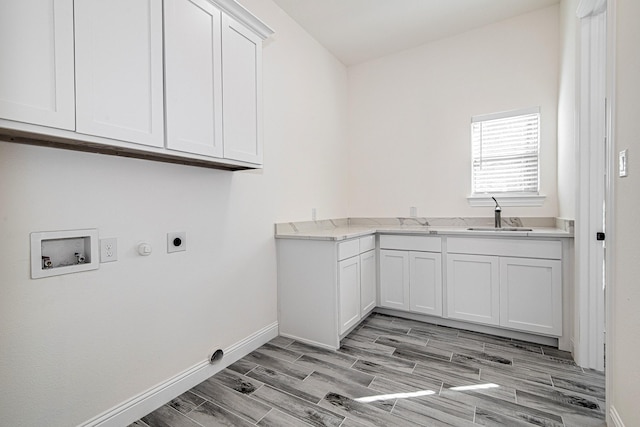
[(63, 252)]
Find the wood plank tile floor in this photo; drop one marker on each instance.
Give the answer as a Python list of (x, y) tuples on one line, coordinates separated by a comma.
[(394, 372)]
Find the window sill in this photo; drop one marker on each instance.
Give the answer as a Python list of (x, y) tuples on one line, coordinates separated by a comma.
[(507, 200)]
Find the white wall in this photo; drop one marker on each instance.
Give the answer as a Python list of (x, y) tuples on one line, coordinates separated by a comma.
[(74, 346), (410, 115), (622, 357), (567, 110)]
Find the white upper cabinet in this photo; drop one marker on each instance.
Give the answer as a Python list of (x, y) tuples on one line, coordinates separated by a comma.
[(36, 62), (242, 92), (193, 77), (170, 80), (119, 73)]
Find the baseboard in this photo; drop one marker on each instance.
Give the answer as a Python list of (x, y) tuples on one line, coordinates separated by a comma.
[(307, 341), (148, 401), (615, 417)]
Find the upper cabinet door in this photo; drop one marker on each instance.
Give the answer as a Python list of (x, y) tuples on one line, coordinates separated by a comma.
[(36, 62), (193, 76), (119, 82), (242, 92)]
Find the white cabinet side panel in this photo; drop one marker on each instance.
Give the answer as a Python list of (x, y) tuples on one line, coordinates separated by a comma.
[(308, 290)]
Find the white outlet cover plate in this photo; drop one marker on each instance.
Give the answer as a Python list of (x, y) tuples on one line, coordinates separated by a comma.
[(171, 237), (108, 250)]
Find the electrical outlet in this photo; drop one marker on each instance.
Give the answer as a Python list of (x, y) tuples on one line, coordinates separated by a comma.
[(313, 214), (413, 211), (176, 242), (108, 250)]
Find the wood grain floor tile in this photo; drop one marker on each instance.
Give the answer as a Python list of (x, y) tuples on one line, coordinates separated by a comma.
[(287, 384), (277, 418), (298, 408), (165, 416), (186, 402), (410, 373), (238, 403), (211, 415), (361, 412)]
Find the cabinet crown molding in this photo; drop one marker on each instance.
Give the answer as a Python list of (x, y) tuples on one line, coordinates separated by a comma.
[(238, 12)]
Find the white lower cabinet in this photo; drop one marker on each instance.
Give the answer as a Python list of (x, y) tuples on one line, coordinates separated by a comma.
[(516, 284), (324, 288), (411, 277), (394, 279), (368, 283), (425, 283), (473, 288), (531, 295), (349, 292)]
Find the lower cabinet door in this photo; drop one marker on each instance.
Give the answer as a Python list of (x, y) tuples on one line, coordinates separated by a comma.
[(473, 288), (531, 295), (425, 278), (349, 292), (367, 282), (394, 279)]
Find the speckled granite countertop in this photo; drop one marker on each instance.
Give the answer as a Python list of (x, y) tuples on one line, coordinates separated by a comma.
[(348, 228)]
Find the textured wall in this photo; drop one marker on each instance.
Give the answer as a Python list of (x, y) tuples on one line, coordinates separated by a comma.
[(74, 346), (409, 137)]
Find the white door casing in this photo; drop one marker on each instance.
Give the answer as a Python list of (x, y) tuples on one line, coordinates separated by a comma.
[(592, 182)]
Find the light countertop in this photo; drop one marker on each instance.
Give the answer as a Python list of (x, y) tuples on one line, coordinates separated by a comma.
[(343, 229)]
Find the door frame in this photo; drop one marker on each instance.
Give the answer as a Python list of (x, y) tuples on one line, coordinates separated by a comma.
[(594, 156)]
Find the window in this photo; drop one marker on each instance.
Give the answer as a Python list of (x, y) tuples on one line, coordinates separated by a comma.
[(505, 149)]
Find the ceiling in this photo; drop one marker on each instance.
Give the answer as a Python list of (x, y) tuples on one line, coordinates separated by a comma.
[(356, 31)]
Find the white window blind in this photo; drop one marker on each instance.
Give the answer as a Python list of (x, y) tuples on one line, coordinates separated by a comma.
[(505, 152)]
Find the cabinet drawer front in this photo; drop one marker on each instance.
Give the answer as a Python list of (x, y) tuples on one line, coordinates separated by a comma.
[(348, 249), (411, 243), (547, 249), (367, 243)]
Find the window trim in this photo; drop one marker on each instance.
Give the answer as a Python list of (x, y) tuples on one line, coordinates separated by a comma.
[(507, 198)]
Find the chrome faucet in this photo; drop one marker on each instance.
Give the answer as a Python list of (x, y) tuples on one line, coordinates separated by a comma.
[(497, 212)]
